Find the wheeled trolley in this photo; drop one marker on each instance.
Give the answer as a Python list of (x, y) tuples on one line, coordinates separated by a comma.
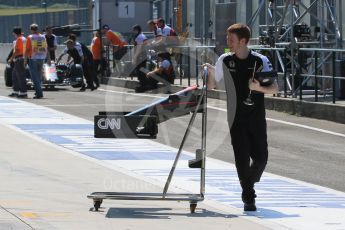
[(142, 123)]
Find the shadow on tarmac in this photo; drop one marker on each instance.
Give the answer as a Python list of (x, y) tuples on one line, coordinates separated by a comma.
[(159, 213)]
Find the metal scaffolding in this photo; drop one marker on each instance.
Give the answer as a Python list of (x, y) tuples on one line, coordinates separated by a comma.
[(294, 25)]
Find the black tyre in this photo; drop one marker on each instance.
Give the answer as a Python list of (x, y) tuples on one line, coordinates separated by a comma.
[(76, 76), (8, 76), (76, 85)]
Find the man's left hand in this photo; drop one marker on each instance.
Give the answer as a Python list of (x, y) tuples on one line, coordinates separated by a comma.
[(254, 85)]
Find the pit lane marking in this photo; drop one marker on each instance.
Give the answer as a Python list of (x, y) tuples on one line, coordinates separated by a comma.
[(225, 110)]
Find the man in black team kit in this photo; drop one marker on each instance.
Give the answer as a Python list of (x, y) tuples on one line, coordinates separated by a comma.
[(87, 62), (73, 52), (51, 42), (247, 121)]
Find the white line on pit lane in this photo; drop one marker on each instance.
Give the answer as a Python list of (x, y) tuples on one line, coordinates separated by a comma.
[(292, 124), (224, 110)]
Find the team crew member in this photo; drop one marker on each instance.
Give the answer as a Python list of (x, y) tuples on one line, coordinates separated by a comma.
[(118, 42), (158, 43), (73, 52), (139, 52), (248, 131), (168, 33), (164, 73), (51, 41), (97, 55), (36, 53), (76, 54), (166, 30), (165, 70), (19, 72), (87, 63), (152, 26)]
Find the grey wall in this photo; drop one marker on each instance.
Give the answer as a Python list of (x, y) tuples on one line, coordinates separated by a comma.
[(110, 16), (56, 19)]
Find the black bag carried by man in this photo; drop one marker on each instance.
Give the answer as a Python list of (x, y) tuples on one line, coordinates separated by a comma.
[(266, 78)]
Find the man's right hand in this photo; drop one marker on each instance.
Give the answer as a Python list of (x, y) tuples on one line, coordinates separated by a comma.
[(211, 82)]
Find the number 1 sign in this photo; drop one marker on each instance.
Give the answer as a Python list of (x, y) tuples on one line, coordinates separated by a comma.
[(126, 10)]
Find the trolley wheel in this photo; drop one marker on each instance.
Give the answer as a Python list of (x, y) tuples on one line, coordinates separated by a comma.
[(97, 204), (192, 207)]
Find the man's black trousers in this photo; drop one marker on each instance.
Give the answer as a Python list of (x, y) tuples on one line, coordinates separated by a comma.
[(249, 141)]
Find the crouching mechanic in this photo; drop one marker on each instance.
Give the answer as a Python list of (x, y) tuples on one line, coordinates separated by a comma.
[(76, 54), (247, 122), (87, 63), (164, 73)]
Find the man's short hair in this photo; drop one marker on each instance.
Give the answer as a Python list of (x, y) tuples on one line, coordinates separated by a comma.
[(17, 30), (34, 27), (69, 42), (241, 30), (161, 20), (49, 27), (137, 27), (72, 37)]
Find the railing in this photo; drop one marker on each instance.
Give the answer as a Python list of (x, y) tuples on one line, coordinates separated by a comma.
[(302, 74), (332, 56), (182, 61), (292, 75)]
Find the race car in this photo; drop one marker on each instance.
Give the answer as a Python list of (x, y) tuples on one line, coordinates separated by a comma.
[(70, 74), (53, 75), (49, 79)]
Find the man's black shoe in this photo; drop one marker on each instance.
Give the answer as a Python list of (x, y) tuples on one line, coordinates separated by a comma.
[(82, 89), (37, 97), (23, 96), (249, 207), (92, 87), (13, 95)]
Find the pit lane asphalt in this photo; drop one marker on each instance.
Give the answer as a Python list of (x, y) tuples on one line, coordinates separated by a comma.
[(295, 152)]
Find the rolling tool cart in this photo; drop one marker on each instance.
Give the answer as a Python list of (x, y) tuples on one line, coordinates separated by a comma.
[(142, 123)]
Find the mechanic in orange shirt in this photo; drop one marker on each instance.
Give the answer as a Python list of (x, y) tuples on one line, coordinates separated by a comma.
[(119, 45), (19, 71)]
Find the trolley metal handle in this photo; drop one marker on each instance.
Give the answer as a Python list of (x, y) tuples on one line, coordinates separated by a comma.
[(203, 98)]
